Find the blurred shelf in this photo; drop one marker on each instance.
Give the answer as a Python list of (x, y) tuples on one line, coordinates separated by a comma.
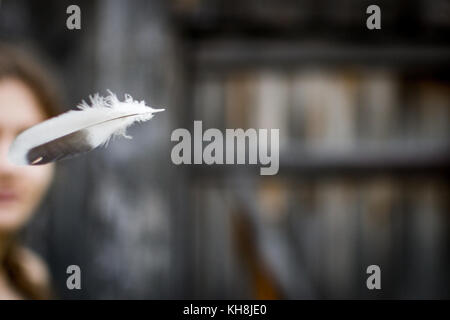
[(417, 21), (367, 160), (232, 54), (361, 162)]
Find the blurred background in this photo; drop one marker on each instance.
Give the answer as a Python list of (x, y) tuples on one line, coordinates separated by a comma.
[(364, 148)]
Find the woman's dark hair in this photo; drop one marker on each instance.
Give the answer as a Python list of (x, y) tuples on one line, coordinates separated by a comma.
[(16, 63)]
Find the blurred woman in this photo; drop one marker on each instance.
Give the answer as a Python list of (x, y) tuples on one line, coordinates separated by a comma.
[(27, 97)]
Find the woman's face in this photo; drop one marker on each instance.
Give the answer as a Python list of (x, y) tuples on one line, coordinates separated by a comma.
[(21, 187)]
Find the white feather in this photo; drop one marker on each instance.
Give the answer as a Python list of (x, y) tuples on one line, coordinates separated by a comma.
[(104, 118)]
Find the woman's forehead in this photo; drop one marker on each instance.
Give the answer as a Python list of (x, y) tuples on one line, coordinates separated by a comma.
[(18, 105)]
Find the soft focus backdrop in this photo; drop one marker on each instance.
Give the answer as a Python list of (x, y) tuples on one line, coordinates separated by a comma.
[(364, 141)]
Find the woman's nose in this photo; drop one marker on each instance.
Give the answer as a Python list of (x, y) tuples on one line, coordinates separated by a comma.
[(5, 164)]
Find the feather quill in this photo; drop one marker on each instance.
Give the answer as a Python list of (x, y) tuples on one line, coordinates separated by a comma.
[(78, 131)]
